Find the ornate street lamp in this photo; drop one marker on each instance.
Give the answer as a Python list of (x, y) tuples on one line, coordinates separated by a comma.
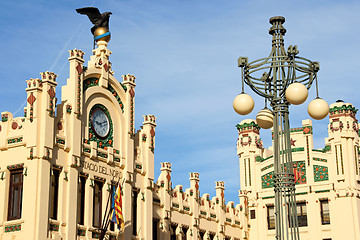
[(282, 79)]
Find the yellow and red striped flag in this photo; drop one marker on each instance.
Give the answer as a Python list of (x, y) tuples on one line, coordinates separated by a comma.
[(117, 216)]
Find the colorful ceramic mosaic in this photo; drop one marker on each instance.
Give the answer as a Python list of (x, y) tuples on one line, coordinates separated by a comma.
[(117, 97), (81, 232), (343, 109), (267, 180), (13, 228), (267, 167), (320, 159), (60, 141), (15, 166), (90, 82), (248, 126), (321, 173), (327, 148), (15, 140), (54, 227)]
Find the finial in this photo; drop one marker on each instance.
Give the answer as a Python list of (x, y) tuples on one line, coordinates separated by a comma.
[(100, 30), (277, 26)]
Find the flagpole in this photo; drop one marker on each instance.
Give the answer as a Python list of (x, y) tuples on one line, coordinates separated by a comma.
[(106, 219)]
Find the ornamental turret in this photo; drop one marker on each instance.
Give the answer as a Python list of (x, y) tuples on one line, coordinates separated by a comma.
[(249, 146), (343, 139)]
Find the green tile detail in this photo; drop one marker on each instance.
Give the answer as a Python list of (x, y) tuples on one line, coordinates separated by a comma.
[(267, 180), (324, 150), (267, 167), (322, 191), (301, 193), (321, 173), (268, 197), (299, 149), (60, 141), (187, 209), (300, 129), (95, 235), (13, 228), (260, 159), (15, 140), (342, 109), (90, 82), (228, 220), (15, 166), (81, 232), (248, 126), (203, 213), (54, 227), (212, 215), (104, 155), (138, 166), (320, 159), (175, 205), (117, 97)]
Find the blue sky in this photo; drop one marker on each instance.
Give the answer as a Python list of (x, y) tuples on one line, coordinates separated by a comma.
[(184, 55)]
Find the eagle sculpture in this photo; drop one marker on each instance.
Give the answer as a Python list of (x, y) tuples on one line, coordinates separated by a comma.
[(98, 19)]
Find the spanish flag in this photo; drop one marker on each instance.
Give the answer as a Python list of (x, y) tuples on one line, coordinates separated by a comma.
[(116, 206)]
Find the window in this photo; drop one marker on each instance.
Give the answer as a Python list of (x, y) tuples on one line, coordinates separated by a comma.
[(97, 202), (212, 235), (184, 230), (301, 214), (134, 211), (173, 232), (252, 214), (325, 212), (155, 228), (202, 234), (15, 194), (270, 217), (54, 193), (81, 200)]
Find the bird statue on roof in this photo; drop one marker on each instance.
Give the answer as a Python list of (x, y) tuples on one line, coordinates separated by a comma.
[(100, 30)]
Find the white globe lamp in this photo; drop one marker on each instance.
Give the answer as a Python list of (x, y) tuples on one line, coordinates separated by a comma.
[(296, 93), (318, 109), (243, 104)]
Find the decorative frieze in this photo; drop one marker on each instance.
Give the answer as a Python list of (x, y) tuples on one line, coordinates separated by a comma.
[(15, 140), (321, 173), (15, 166), (13, 228), (252, 126), (54, 227)]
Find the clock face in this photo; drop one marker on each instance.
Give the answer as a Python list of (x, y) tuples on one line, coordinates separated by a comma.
[(100, 122)]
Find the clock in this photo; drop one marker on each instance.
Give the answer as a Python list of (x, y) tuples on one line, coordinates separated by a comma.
[(100, 122)]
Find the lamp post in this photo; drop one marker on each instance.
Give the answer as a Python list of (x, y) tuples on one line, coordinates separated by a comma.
[(282, 78)]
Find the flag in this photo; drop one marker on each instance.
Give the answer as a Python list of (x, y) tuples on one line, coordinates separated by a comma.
[(116, 206)]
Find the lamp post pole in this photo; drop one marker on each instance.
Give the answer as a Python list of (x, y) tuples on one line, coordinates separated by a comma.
[(282, 78)]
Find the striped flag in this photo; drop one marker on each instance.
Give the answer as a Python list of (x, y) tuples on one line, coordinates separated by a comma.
[(116, 205)]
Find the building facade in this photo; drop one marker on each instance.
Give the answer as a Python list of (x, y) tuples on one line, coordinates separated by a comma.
[(327, 179), (59, 163)]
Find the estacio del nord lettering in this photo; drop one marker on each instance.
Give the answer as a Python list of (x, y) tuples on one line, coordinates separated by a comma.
[(99, 169)]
